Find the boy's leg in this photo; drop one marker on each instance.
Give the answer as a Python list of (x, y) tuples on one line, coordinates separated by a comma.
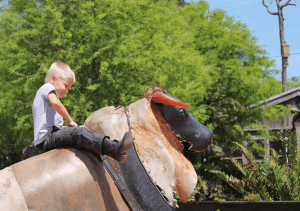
[(72, 136), (84, 137)]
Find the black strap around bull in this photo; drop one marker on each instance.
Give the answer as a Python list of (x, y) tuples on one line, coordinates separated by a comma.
[(119, 183)]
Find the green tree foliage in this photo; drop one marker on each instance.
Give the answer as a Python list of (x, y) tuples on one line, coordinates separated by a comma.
[(293, 82), (117, 49), (270, 180), (11, 145)]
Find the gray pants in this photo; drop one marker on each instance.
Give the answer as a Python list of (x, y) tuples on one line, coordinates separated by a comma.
[(80, 137)]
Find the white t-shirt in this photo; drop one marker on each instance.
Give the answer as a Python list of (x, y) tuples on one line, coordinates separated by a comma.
[(44, 115)]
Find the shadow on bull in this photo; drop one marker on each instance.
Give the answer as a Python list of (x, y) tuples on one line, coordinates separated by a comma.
[(69, 178)]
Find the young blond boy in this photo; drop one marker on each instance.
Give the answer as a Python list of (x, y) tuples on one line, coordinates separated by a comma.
[(48, 114)]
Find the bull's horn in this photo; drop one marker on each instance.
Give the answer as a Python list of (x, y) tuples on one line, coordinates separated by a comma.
[(160, 97)]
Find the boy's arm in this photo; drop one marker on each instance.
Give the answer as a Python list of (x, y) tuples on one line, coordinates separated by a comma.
[(60, 108)]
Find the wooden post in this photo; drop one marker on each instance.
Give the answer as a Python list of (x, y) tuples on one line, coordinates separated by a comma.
[(297, 126), (267, 147)]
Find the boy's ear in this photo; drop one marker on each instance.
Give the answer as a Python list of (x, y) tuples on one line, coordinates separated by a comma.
[(53, 77)]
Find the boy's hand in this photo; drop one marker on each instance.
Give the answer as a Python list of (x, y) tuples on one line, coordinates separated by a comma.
[(72, 124)]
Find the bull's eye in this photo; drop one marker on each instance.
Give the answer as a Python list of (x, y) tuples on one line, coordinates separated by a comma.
[(182, 111)]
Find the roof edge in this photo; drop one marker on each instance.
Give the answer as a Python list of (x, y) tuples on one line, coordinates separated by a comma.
[(294, 90)]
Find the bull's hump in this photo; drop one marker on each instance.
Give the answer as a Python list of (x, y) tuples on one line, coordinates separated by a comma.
[(110, 121)]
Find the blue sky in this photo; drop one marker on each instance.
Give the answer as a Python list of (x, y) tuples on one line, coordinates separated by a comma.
[(265, 27)]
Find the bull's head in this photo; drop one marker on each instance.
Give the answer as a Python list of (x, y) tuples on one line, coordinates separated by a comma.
[(176, 114)]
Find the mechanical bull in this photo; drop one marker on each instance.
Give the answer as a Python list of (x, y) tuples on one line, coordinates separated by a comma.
[(74, 179)]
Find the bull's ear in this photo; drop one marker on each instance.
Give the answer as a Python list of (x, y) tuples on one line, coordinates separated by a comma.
[(160, 97)]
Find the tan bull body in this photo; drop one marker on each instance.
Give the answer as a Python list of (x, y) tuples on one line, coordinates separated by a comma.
[(71, 179), (60, 180)]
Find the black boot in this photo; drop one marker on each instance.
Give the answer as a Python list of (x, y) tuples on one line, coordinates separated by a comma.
[(115, 149)]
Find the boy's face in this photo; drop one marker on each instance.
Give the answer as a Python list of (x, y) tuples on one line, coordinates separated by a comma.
[(61, 86)]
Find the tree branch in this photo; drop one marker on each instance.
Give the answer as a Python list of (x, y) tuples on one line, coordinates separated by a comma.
[(287, 3), (292, 4), (71, 46), (28, 76), (268, 9), (29, 44), (16, 102), (78, 91)]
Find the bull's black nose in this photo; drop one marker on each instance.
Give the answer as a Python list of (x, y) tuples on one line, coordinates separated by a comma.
[(203, 138)]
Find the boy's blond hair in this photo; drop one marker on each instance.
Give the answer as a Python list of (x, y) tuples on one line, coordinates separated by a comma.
[(61, 71)]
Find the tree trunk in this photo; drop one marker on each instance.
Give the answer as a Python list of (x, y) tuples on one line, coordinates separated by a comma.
[(284, 60)]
